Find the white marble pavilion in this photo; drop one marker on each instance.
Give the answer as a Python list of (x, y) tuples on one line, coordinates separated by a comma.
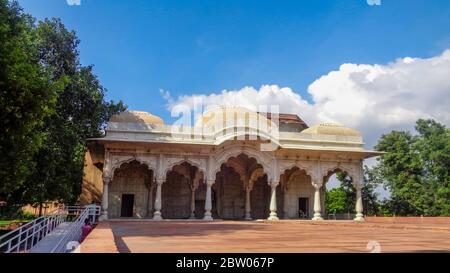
[(233, 164)]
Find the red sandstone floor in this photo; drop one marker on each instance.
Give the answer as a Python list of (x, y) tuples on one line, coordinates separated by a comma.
[(280, 236)]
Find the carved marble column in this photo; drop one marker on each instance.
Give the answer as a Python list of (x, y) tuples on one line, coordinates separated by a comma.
[(208, 201), (104, 215), (150, 200), (192, 203), (317, 203), (273, 201), (158, 202), (248, 215), (359, 205)]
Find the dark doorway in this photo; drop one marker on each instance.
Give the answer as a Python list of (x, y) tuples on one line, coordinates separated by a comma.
[(303, 207), (127, 205)]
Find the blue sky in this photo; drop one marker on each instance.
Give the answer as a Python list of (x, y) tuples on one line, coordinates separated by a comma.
[(199, 47), (139, 47)]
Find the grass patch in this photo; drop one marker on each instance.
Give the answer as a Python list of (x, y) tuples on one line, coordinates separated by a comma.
[(4, 223)]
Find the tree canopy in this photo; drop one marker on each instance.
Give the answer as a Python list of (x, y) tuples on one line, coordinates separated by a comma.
[(416, 169), (27, 95), (51, 104)]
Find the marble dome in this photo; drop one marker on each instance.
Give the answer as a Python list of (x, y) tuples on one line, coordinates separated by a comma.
[(331, 129), (231, 115), (136, 117)]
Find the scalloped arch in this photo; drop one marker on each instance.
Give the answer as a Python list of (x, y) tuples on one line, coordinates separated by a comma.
[(119, 164), (340, 167), (236, 151), (184, 160), (308, 170)]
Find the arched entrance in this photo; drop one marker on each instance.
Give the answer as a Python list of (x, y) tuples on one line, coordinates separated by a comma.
[(130, 191), (338, 182), (298, 194), (179, 192), (230, 200), (234, 185)]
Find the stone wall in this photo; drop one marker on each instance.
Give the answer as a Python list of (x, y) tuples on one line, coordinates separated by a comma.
[(409, 220), (92, 187)]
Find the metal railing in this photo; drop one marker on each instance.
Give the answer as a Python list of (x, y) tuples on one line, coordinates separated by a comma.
[(28, 235), (90, 212)]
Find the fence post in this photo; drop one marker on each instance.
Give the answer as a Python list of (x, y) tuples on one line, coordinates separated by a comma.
[(94, 214)]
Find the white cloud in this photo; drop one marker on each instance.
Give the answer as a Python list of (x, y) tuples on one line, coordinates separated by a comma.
[(371, 98)]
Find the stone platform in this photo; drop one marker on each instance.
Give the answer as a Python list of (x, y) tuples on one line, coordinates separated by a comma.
[(263, 236)]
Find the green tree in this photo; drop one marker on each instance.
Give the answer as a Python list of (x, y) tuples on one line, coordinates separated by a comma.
[(343, 198), (336, 200), (81, 112), (27, 96), (416, 169)]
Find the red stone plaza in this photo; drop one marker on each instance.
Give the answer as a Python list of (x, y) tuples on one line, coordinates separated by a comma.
[(294, 236)]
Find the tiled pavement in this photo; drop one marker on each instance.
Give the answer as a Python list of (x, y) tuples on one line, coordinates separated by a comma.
[(280, 236)]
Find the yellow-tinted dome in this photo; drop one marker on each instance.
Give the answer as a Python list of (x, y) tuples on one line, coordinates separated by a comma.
[(136, 116), (331, 129), (231, 115)]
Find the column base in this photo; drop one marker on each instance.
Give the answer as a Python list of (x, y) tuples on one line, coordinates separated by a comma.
[(317, 217), (207, 216), (157, 216), (248, 217), (273, 217), (359, 218), (103, 217)]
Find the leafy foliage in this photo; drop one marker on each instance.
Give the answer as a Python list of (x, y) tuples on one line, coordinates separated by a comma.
[(343, 198), (336, 200), (27, 96), (416, 170), (81, 112), (50, 104)]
